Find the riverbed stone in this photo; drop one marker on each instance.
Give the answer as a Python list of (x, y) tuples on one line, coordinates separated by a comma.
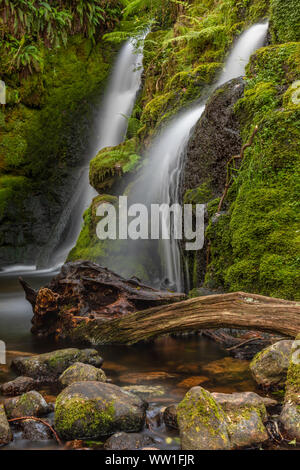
[(170, 416), (35, 431), (49, 366), (269, 367), (29, 404), (128, 441), (146, 391), (202, 422), (18, 386), (80, 372), (245, 414), (290, 414), (5, 432), (92, 410)]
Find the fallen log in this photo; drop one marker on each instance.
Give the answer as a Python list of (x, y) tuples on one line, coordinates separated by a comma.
[(85, 292), (235, 310)]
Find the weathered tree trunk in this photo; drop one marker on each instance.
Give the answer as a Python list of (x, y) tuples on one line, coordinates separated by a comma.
[(85, 292), (235, 310)]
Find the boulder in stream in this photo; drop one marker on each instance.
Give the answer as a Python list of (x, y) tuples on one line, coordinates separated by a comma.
[(202, 422), (29, 404), (92, 410), (128, 441), (5, 432), (80, 372), (18, 386), (245, 414), (49, 366), (35, 431), (269, 367), (290, 414)]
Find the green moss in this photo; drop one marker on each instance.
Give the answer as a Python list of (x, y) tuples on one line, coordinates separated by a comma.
[(255, 247), (285, 20), (199, 195), (78, 416)]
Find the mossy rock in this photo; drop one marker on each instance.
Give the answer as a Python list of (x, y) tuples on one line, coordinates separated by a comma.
[(269, 367), (49, 366), (29, 404), (5, 432), (126, 441), (202, 422), (285, 20), (80, 372), (91, 410)]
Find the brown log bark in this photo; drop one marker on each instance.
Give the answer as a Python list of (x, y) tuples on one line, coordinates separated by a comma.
[(235, 310)]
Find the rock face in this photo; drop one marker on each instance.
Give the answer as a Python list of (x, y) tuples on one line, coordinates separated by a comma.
[(94, 409), (215, 140), (124, 441), (290, 414), (18, 386), (80, 372), (202, 422), (269, 367), (5, 432), (245, 413), (28, 404), (49, 366)]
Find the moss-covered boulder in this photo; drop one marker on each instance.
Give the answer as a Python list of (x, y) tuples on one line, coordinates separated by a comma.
[(80, 372), (246, 414), (290, 414), (5, 432), (29, 404), (94, 410), (202, 422), (126, 441), (269, 367), (49, 366)]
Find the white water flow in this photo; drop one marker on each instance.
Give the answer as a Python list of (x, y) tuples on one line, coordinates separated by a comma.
[(161, 178), (111, 128)]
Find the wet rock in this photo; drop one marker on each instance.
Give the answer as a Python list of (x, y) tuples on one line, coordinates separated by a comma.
[(269, 367), (138, 377), (29, 404), (92, 410), (35, 431), (290, 414), (202, 422), (245, 414), (146, 391), (192, 382), (18, 386), (5, 432), (80, 372), (49, 366), (170, 417), (125, 441)]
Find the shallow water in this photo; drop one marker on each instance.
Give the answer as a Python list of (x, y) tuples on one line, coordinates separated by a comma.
[(171, 365)]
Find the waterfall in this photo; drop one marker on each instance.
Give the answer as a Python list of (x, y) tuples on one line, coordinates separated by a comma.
[(112, 122), (161, 177)]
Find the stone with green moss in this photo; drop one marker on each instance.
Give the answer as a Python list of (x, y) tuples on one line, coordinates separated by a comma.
[(269, 367), (80, 372), (245, 414), (202, 422), (29, 404), (49, 366), (5, 432), (290, 414), (91, 410)]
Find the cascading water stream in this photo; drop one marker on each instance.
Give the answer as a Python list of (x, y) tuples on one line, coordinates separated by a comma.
[(112, 122), (161, 178)]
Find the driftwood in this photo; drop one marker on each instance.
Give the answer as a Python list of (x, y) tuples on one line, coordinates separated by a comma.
[(84, 292), (235, 310)]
